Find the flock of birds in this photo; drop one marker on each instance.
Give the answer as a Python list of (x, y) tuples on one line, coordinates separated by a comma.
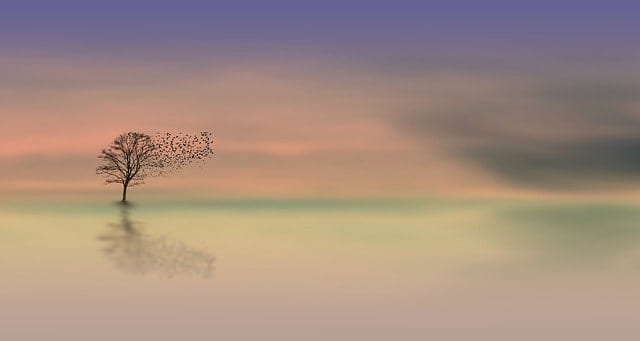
[(176, 151)]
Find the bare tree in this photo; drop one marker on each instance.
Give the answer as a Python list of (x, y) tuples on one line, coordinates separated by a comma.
[(128, 160), (132, 157)]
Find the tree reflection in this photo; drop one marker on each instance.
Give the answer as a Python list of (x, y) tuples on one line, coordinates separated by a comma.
[(133, 251)]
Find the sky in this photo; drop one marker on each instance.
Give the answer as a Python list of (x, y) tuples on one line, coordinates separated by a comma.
[(332, 98)]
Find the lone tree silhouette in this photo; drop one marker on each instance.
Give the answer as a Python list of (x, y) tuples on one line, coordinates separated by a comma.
[(132, 157)]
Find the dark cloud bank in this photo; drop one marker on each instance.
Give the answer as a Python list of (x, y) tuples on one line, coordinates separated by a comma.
[(543, 132)]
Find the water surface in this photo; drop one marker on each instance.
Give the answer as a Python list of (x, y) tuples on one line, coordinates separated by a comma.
[(319, 270)]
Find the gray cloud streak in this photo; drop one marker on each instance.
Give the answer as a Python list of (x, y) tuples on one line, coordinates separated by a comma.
[(565, 165), (566, 133)]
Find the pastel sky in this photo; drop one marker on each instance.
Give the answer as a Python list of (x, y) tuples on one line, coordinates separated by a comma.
[(329, 98)]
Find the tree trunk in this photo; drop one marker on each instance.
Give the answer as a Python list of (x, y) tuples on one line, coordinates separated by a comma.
[(124, 192)]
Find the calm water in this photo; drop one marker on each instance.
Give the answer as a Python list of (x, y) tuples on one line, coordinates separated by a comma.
[(320, 270)]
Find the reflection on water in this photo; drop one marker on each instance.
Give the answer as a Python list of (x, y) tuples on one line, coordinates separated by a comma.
[(134, 251), (570, 236), (443, 270)]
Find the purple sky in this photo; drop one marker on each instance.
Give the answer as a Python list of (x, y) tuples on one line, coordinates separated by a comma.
[(368, 29)]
